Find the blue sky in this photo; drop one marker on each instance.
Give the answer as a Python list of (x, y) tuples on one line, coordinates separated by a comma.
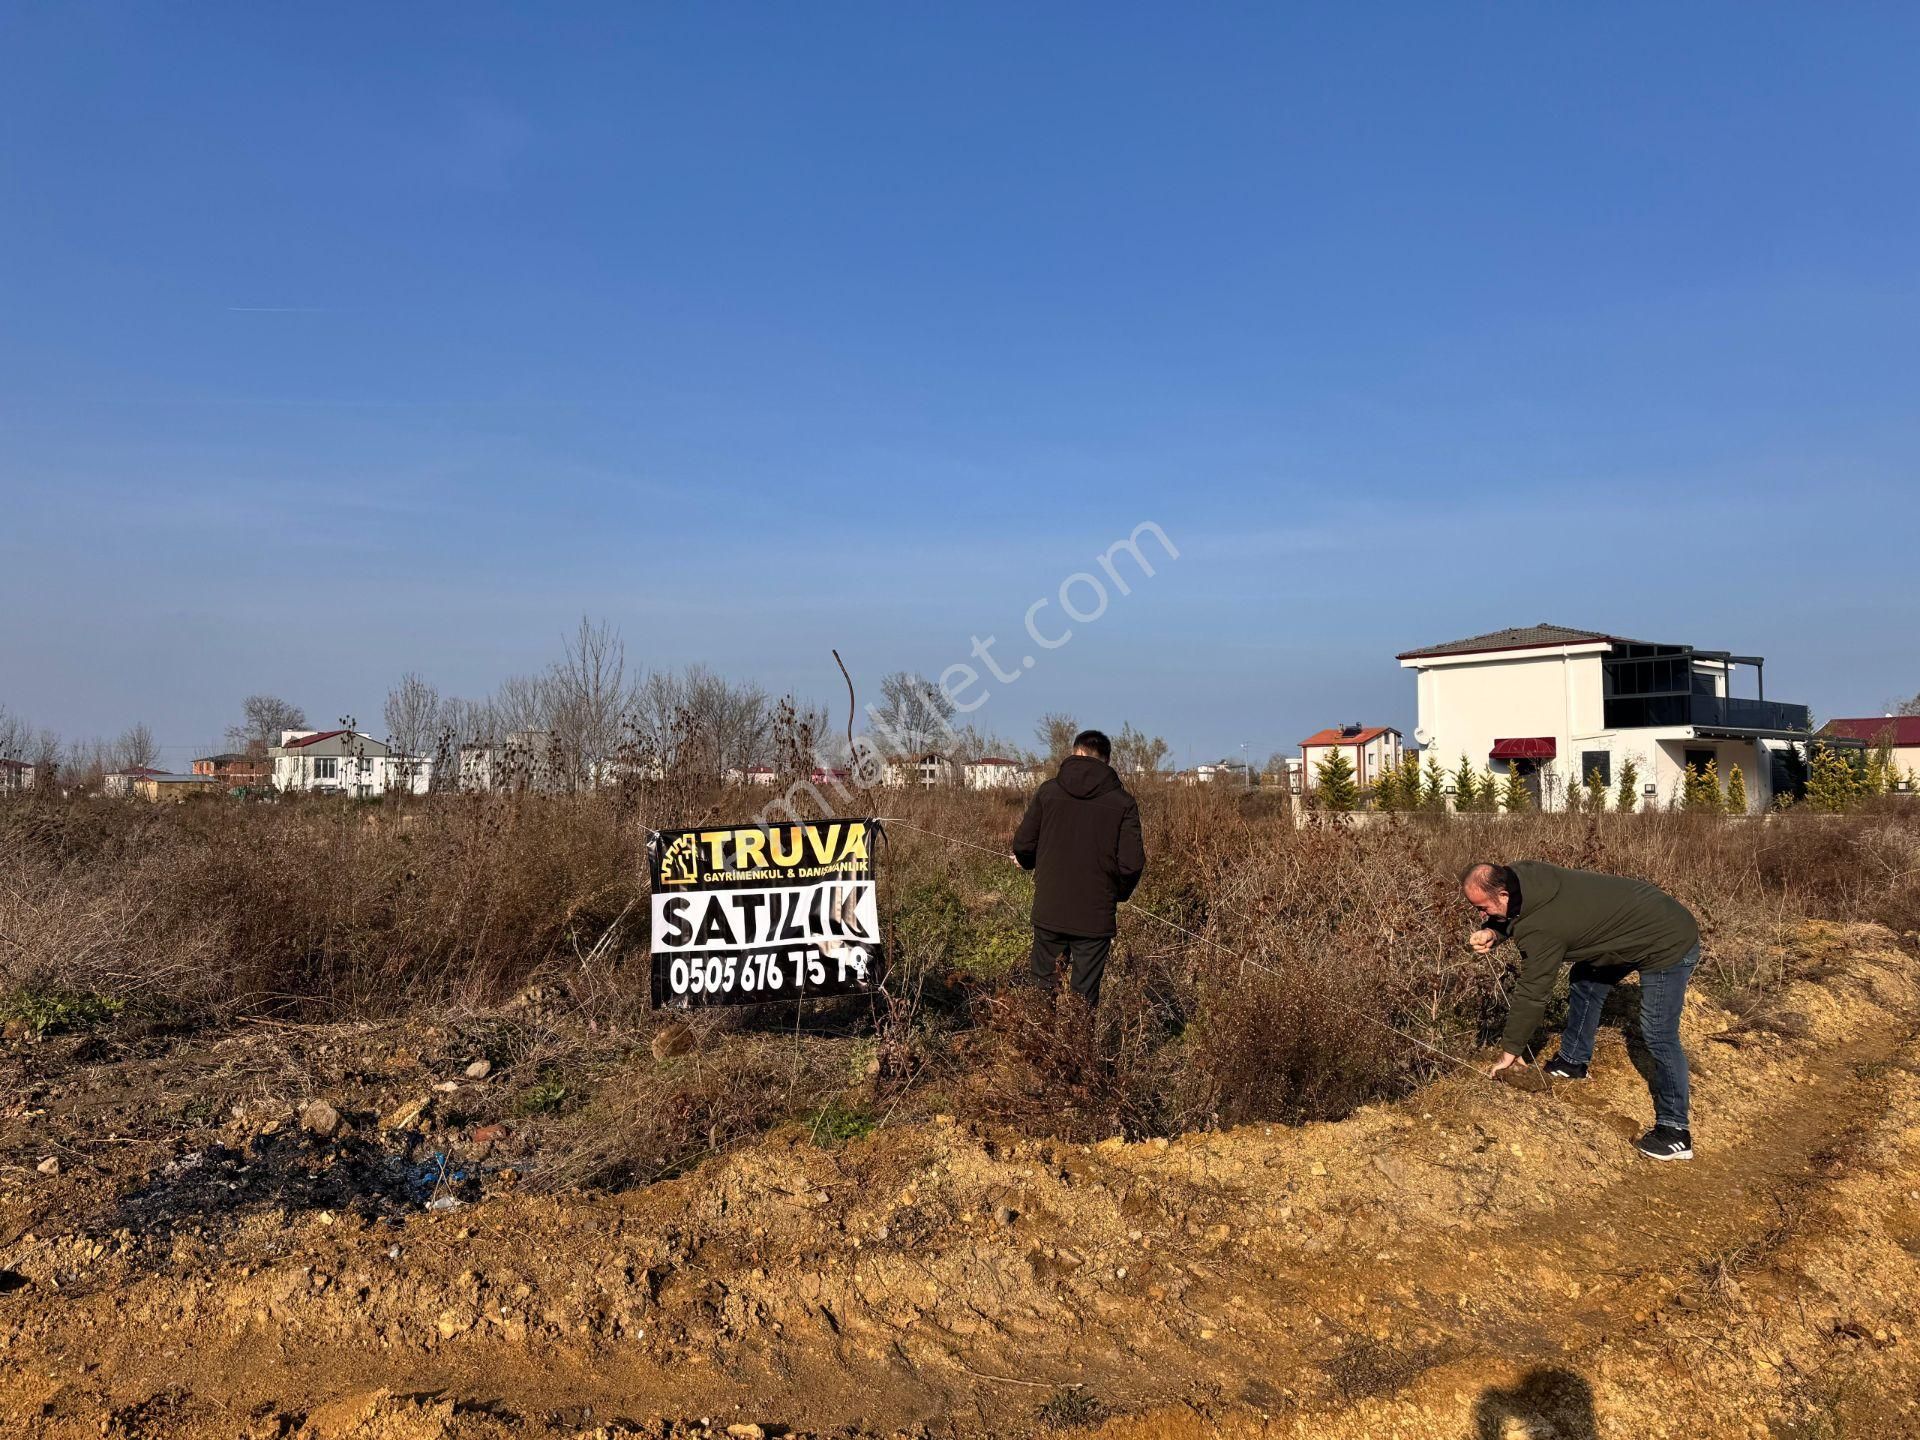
[(340, 341)]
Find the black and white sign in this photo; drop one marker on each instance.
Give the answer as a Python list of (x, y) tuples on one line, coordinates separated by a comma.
[(747, 914)]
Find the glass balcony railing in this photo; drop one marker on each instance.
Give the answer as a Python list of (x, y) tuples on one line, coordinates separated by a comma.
[(1629, 712)]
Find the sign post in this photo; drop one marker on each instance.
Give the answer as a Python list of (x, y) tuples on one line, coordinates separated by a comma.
[(748, 914)]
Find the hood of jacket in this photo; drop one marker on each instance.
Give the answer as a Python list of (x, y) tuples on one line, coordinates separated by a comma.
[(1539, 883), (1084, 777)]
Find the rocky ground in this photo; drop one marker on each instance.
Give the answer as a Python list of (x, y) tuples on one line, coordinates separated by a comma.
[(1478, 1261)]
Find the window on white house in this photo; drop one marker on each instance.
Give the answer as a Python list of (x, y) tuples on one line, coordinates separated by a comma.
[(326, 768)]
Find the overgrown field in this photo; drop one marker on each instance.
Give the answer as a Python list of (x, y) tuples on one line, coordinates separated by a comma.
[(515, 930)]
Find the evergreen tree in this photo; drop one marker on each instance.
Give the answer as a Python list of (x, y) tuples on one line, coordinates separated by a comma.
[(1514, 795), (1736, 791), (1466, 787), (1700, 789), (1386, 791), (1881, 774), (1333, 782), (1575, 799), (1832, 784), (1629, 794), (1596, 790), (1487, 801), (1433, 793)]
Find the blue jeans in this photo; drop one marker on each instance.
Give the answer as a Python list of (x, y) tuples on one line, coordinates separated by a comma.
[(1662, 993)]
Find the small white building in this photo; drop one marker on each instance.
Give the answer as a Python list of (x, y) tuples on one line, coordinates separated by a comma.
[(929, 769), (751, 775), (15, 775), (524, 761), (1556, 704), (345, 762), (118, 784), (1372, 750), (996, 772)]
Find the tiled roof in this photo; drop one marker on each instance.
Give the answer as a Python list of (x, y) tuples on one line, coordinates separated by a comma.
[(1518, 637), (1337, 736), (313, 739), (1905, 729)]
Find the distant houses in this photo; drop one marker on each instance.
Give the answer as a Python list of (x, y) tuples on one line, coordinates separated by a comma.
[(15, 775)]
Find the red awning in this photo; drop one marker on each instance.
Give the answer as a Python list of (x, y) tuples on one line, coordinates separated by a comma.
[(1538, 747)]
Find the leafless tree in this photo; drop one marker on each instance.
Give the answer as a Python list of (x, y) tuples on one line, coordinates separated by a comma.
[(135, 747), (1909, 706), (263, 718), (914, 716), (13, 735), (696, 722), (413, 720), (1055, 733), (523, 702), (44, 755), (587, 699), (1137, 753)]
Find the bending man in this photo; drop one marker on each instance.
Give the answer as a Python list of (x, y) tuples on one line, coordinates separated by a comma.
[(1607, 926)]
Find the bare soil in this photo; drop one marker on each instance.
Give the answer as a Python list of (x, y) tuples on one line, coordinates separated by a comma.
[(1477, 1261)]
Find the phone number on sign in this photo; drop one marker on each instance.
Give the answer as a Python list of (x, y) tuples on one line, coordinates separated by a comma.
[(744, 974)]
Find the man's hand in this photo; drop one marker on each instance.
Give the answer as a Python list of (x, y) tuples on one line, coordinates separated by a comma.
[(1483, 940), (1506, 1059)]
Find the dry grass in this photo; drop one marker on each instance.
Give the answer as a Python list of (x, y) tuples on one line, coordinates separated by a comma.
[(523, 920)]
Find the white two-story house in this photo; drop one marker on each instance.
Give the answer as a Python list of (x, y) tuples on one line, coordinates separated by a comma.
[(345, 762), (1372, 750), (1556, 703)]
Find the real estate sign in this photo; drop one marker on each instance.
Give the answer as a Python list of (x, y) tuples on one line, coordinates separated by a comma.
[(746, 914)]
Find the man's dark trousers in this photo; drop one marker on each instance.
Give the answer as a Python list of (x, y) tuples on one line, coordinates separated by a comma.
[(1088, 953)]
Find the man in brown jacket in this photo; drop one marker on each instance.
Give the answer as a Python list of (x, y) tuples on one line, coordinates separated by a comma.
[(1607, 927), (1081, 838)]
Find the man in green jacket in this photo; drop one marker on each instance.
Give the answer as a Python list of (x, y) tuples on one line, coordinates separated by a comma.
[(1607, 926)]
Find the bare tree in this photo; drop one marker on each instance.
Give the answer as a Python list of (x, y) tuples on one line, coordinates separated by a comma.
[(587, 699), (264, 717), (1055, 733), (13, 735), (1137, 753), (914, 716), (523, 702), (135, 748), (44, 755), (695, 722), (1909, 706), (413, 720)]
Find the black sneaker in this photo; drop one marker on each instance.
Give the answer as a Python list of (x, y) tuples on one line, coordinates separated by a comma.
[(1560, 1069), (1663, 1142)]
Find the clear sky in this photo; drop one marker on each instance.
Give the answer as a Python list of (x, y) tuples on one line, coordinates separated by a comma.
[(342, 340)]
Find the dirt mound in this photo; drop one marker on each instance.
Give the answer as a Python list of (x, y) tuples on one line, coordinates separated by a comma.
[(1472, 1259)]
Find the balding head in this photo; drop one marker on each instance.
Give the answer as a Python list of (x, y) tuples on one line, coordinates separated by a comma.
[(1488, 887)]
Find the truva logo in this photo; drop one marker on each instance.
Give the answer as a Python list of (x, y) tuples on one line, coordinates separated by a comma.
[(681, 864)]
